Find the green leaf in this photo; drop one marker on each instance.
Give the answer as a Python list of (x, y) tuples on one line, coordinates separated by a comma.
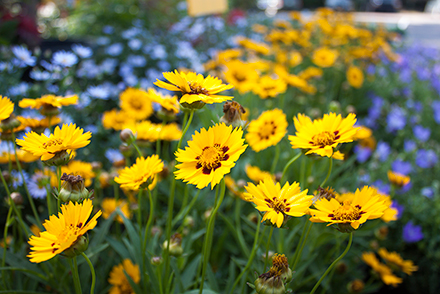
[(205, 291), (133, 285), (102, 231), (190, 272), (118, 247), (32, 274), (212, 279), (176, 270)]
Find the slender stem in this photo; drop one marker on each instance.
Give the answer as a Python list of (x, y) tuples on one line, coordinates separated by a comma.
[(209, 233), (185, 210), (116, 194), (186, 128), (92, 269), (59, 186), (158, 138), (298, 256), (76, 281), (49, 201), (288, 165), (137, 149), (5, 245), (267, 248), (328, 173), (350, 240), (149, 222), (301, 238), (275, 159), (139, 212)]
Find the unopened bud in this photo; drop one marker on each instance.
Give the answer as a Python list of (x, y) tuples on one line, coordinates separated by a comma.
[(17, 198), (269, 285), (356, 286), (188, 221), (175, 245), (127, 136), (10, 123), (60, 158), (334, 106), (125, 150), (341, 267), (156, 260), (77, 248), (381, 233), (73, 189)]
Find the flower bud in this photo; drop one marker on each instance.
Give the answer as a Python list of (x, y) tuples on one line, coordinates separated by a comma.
[(188, 221), (9, 123), (77, 248), (73, 189), (156, 260), (341, 267), (17, 198), (127, 136), (356, 286), (175, 245), (60, 158), (334, 106), (233, 112), (381, 233), (194, 105), (125, 150), (266, 284)]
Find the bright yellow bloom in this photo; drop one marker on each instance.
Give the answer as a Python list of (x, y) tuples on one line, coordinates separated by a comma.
[(62, 231), (141, 174), (321, 136), (68, 138), (386, 274), (393, 259), (210, 155), (363, 133), (48, 101), (151, 132), (195, 87), (355, 76), (257, 47), (390, 214), (167, 102), (116, 119), (295, 58), (243, 76), (324, 57), (109, 205), (398, 179), (279, 203), (6, 108), (267, 130), (118, 280), (310, 72), (365, 204), (256, 174), (38, 124), (136, 103), (267, 87)]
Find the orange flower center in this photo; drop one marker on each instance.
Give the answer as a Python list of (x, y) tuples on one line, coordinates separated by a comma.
[(267, 130), (324, 139), (347, 212), (52, 142), (196, 88), (211, 158)]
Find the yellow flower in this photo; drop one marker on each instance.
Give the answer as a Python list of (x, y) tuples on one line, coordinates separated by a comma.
[(68, 138), (109, 205), (241, 75), (210, 155), (257, 47), (22, 156), (118, 280), (321, 136), (310, 72), (393, 259), (232, 186), (324, 57), (141, 174), (355, 76), (390, 214), (386, 274), (267, 87), (295, 58), (116, 119), (48, 104), (363, 133), (398, 179), (363, 205), (267, 130), (151, 132), (6, 108), (279, 203), (167, 102), (195, 87), (63, 231), (38, 125), (256, 174), (136, 103)]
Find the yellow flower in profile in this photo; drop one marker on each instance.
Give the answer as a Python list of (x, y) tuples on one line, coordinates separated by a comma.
[(48, 101), (321, 136), (355, 210), (109, 205), (167, 102), (63, 231), (267, 87), (141, 174), (398, 179), (151, 132), (6, 107), (68, 138), (393, 259), (385, 273), (195, 87), (279, 203), (210, 155), (324, 57), (256, 174), (355, 76), (267, 130), (116, 119), (233, 187), (241, 75), (363, 133), (390, 214), (136, 103), (118, 280), (38, 125)]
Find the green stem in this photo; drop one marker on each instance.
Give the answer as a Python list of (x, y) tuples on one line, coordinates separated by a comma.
[(59, 187), (350, 240), (328, 173), (49, 202), (185, 129), (158, 138), (137, 149), (76, 281), (139, 212), (149, 222), (92, 269), (288, 165), (185, 210), (5, 245), (275, 159), (300, 249), (267, 248), (209, 233)]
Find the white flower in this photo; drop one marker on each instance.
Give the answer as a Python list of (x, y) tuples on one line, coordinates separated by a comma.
[(24, 56)]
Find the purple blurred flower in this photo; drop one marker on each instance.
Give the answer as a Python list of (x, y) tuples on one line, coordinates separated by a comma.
[(382, 187), (436, 108), (409, 145), (374, 112), (383, 150), (427, 192), (398, 207), (396, 119), (421, 133), (412, 233), (362, 153), (400, 166), (426, 158)]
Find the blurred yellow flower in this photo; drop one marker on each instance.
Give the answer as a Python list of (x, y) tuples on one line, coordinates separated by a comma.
[(142, 174), (256, 174), (109, 205), (167, 102), (118, 280), (136, 103), (267, 130), (116, 119), (324, 57), (355, 76), (6, 107), (398, 179), (48, 104), (267, 87), (393, 260), (241, 75), (385, 273)]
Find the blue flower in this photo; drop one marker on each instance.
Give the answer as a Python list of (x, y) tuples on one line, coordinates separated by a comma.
[(409, 146), (362, 153), (398, 207), (396, 119), (82, 51), (64, 58), (39, 75), (100, 92), (135, 44), (36, 188), (114, 155), (24, 56), (374, 112), (400, 166), (382, 187), (19, 90), (426, 158), (436, 108), (427, 192), (383, 151), (17, 179), (137, 60), (108, 29), (421, 133), (412, 233), (114, 49)]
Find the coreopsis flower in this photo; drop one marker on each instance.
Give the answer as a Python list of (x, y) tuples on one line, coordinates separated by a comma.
[(324, 57), (147, 131), (295, 58), (136, 103), (118, 280), (142, 174), (234, 188), (195, 88), (22, 156), (394, 260), (279, 203), (210, 155), (385, 273), (116, 119), (48, 105), (321, 136), (61, 143), (109, 205), (256, 174), (257, 47), (168, 103), (64, 233), (6, 108), (350, 211), (267, 87), (38, 125), (267, 130), (355, 76), (390, 214), (398, 179), (241, 75)]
